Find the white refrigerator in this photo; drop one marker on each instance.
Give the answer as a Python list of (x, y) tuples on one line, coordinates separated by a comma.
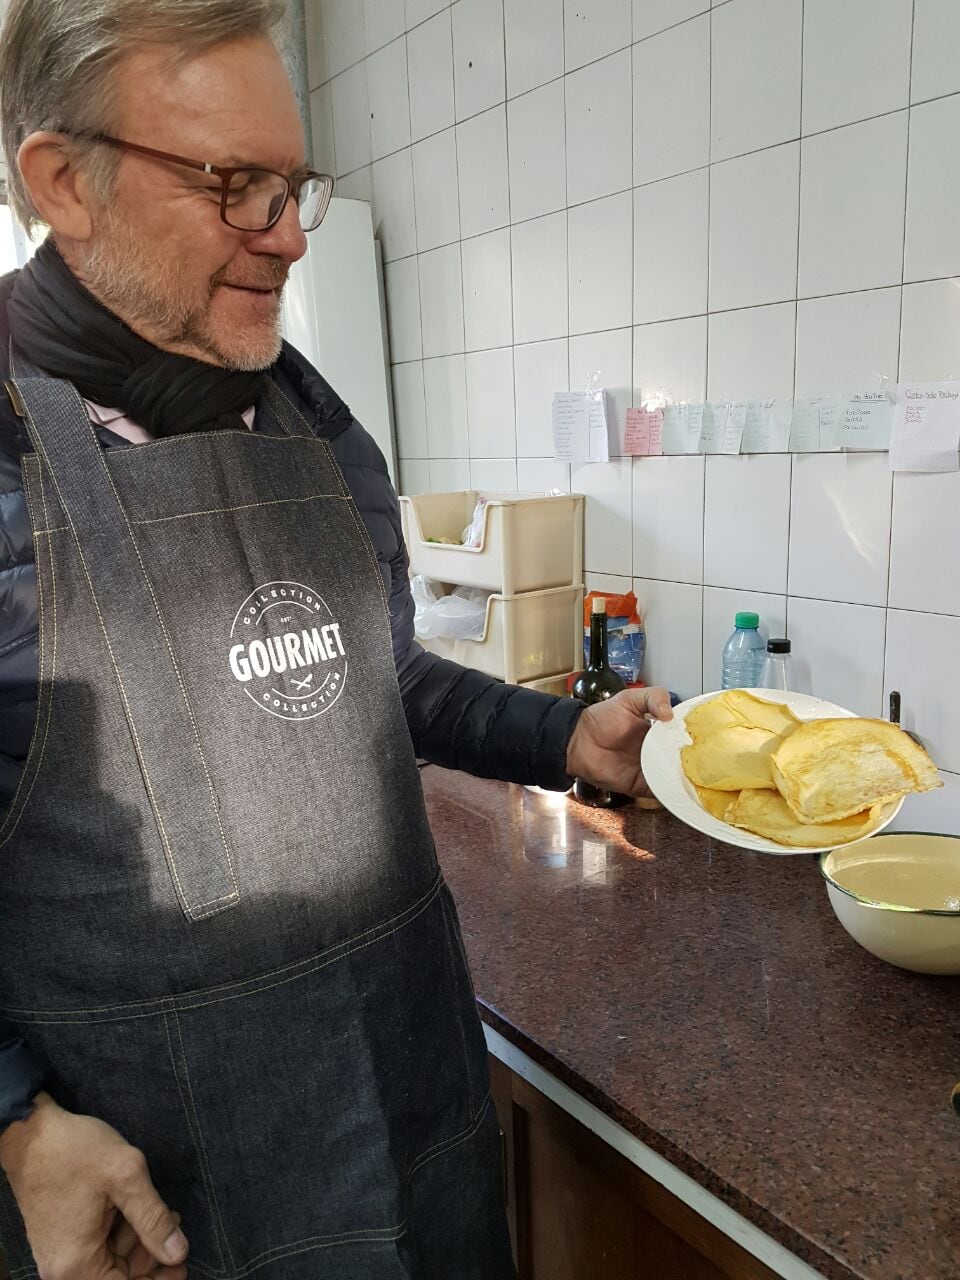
[(334, 312)]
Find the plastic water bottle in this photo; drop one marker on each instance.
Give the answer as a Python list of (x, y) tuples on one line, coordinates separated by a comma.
[(778, 672), (743, 654)]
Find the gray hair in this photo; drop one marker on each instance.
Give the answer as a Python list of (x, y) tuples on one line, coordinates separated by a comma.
[(57, 57)]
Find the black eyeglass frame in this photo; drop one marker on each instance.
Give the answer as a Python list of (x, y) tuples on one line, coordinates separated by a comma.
[(226, 175)]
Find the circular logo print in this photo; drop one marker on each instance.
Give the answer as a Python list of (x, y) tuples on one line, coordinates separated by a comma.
[(286, 651)]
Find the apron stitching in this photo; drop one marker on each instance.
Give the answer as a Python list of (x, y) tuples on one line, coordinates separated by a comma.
[(243, 506), (35, 768), (116, 671), (452, 971), (193, 1121), (278, 395), (188, 1001), (373, 1235), (196, 907), (448, 1144)]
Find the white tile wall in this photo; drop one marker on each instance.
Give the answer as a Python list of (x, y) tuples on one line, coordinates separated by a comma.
[(594, 28), (490, 412), (534, 42), (487, 305), (839, 651), (435, 190), (482, 168), (745, 524), (936, 36), (755, 80), (851, 207), (606, 358), (389, 99), (741, 202), (430, 73), (538, 154), (840, 527), (601, 264), (478, 57), (933, 192), (671, 130), (383, 21), (540, 290), (848, 340), (854, 69), (540, 369), (599, 151), (445, 393), (753, 228), (670, 220)]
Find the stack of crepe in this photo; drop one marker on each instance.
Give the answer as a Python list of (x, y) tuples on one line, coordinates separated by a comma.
[(803, 783)]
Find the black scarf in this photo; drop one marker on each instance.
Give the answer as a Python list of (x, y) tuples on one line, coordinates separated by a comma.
[(61, 328)]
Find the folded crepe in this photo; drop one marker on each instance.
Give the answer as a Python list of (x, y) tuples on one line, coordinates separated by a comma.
[(730, 759), (829, 770), (767, 814)]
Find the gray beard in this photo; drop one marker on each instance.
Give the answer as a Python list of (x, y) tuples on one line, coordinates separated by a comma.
[(161, 310)]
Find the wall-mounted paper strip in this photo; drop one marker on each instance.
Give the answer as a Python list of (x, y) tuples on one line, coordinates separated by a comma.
[(926, 427), (865, 421), (713, 427), (642, 433), (815, 424), (580, 427)]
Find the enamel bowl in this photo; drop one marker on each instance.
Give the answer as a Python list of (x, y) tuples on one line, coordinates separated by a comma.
[(898, 895)]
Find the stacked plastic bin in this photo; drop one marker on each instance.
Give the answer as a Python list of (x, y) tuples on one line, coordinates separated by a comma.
[(530, 557)]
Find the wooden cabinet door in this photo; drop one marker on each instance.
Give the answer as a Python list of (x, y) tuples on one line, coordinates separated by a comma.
[(581, 1211)]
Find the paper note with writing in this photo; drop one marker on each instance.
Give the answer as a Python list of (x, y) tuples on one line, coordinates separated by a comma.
[(642, 433), (571, 425), (866, 421), (694, 428), (713, 427), (926, 427), (805, 426), (815, 425), (733, 429), (599, 428), (831, 410), (674, 437)]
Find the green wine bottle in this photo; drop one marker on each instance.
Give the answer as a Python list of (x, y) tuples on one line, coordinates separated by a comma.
[(596, 684)]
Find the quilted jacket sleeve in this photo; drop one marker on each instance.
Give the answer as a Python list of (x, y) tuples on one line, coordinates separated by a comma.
[(458, 718)]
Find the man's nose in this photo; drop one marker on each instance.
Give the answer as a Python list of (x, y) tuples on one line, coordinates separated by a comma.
[(286, 239)]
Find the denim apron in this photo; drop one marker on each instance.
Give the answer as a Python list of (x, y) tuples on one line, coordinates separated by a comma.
[(222, 921)]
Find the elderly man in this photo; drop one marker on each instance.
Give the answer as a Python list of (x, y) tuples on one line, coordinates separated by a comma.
[(237, 1017)]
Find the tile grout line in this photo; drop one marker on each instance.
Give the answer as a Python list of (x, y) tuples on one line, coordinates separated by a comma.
[(706, 355), (903, 273), (513, 327), (796, 328), (740, 155)]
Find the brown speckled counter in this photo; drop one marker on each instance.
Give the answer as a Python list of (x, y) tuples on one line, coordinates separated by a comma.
[(707, 1000)]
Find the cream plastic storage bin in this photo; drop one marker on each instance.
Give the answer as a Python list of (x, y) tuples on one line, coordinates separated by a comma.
[(530, 543), (525, 637)]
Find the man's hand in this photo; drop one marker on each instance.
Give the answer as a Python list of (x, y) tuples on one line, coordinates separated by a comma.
[(86, 1198), (605, 746)]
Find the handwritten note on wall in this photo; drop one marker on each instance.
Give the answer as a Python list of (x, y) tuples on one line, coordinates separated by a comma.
[(926, 427), (580, 427)]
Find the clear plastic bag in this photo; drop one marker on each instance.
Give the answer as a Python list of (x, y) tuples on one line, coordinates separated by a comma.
[(462, 615), (473, 534)]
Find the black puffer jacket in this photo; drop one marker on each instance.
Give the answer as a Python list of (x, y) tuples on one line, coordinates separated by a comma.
[(457, 718)]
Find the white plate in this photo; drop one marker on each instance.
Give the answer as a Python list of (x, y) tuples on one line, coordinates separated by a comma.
[(665, 777)]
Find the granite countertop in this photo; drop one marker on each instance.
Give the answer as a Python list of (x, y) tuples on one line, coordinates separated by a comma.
[(708, 1000)]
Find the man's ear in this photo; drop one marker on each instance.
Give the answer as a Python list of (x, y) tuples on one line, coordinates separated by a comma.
[(59, 189)]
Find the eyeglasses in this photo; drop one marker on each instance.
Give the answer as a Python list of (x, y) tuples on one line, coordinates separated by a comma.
[(251, 199)]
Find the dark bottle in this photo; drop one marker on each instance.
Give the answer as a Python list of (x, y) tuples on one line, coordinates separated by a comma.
[(596, 684)]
